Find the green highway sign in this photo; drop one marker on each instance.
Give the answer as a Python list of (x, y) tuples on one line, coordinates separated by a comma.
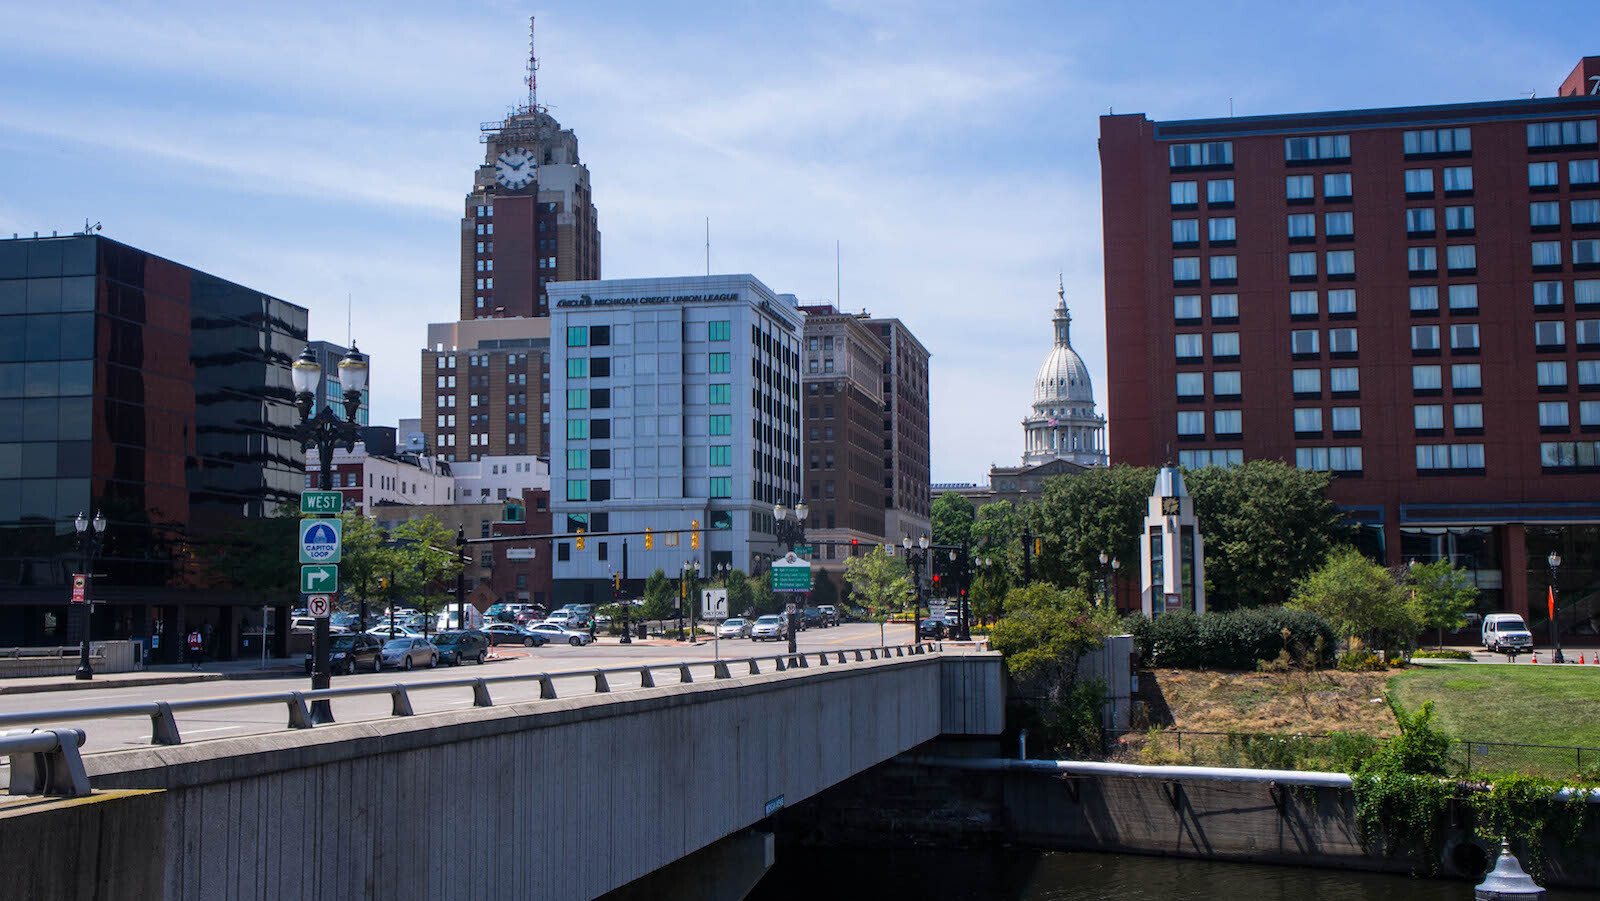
[(791, 573), (321, 502), (319, 578), (803, 550)]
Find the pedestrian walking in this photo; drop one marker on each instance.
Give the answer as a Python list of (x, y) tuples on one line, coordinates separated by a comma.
[(195, 647)]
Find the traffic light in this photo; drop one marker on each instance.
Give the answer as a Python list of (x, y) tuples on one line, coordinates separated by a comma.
[(1038, 547), (580, 539), (383, 583), (935, 578), (649, 540), (694, 534), (616, 587)]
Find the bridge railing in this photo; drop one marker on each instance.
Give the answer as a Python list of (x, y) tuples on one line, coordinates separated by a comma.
[(164, 724)]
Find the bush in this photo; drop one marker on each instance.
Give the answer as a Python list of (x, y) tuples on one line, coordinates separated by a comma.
[(1443, 654), (1361, 660), (1236, 640)]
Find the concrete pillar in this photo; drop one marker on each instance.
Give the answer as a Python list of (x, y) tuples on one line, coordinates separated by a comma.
[(1514, 568)]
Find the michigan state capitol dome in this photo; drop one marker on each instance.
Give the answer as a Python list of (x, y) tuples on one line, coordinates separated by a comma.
[(1063, 424)]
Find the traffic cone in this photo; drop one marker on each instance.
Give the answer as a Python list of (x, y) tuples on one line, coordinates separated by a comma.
[(1535, 656)]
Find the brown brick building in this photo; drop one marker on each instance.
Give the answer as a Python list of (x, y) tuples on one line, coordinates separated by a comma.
[(1407, 297)]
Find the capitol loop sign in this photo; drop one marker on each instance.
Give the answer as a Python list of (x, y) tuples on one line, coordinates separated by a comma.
[(321, 540)]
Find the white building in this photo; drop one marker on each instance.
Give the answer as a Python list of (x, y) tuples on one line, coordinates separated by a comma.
[(371, 479), (495, 479), (675, 401), (1063, 424)]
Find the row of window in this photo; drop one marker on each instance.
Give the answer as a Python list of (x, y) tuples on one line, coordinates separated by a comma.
[(1343, 419), (1186, 308), (1460, 259), (1192, 423), (1541, 135), (1585, 252), (1190, 347)]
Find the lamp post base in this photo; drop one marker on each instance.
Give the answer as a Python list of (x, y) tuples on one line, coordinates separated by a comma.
[(321, 712)]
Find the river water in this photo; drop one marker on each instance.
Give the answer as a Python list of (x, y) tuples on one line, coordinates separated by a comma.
[(833, 874)]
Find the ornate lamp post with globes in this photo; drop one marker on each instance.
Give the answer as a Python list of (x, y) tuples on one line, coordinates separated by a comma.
[(1555, 631), (90, 537), (791, 533), (1109, 572), (325, 431), (915, 561)]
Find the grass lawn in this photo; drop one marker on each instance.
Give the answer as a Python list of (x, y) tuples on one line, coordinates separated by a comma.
[(1538, 705)]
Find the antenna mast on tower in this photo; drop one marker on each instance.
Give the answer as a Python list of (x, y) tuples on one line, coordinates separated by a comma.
[(533, 72)]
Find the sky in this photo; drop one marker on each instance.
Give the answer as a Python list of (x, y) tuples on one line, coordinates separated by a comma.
[(321, 152)]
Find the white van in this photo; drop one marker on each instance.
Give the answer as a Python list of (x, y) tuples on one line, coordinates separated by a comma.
[(1506, 631)]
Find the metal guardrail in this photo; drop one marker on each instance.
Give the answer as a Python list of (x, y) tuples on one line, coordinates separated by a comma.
[(46, 762), (62, 652), (164, 725)]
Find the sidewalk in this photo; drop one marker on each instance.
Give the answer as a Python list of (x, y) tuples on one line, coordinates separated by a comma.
[(169, 674)]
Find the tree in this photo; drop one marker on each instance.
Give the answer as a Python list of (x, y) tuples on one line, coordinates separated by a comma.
[(1443, 594), (996, 534), (1267, 525), (879, 582), (1044, 633), (952, 517), (1080, 517), (367, 559), (660, 596), (823, 589), (762, 598), (740, 592), (1361, 600), (426, 563)]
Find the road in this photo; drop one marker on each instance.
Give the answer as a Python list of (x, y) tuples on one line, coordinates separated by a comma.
[(228, 722)]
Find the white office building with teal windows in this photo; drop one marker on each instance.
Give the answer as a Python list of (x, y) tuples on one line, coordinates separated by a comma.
[(673, 401)]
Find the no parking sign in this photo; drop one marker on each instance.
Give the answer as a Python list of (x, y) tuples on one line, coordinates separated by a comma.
[(319, 605)]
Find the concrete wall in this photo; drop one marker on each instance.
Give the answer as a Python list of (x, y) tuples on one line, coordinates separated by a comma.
[(118, 656), (101, 847), (551, 799)]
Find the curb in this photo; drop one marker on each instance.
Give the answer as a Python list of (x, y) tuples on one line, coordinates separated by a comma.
[(76, 685)]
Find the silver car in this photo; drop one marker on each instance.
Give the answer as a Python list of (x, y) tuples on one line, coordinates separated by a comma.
[(408, 652), (769, 628), (557, 633), (734, 628)]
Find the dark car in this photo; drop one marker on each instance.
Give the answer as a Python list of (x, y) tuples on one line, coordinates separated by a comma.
[(811, 616), (506, 633), (934, 628), (456, 648), (352, 653)]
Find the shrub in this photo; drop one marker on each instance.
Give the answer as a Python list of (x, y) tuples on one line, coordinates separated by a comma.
[(1236, 640), (1361, 660), (1443, 654)]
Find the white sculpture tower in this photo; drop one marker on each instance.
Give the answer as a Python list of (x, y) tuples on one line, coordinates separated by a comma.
[(1172, 553)]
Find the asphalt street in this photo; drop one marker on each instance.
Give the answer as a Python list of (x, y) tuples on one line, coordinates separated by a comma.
[(115, 733)]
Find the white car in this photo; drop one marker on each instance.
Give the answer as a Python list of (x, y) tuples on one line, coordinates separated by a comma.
[(1506, 632), (736, 627), (308, 624), (382, 630), (769, 628), (557, 632)]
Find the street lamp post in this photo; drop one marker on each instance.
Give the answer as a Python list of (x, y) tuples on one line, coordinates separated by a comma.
[(90, 538), (325, 431), (915, 561), (1108, 569), (1555, 631), (461, 578), (792, 533), (691, 594)]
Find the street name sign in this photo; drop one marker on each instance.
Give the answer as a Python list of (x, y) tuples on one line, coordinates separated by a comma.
[(321, 502), (318, 605), (791, 573), (319, 578), (320, 540), (804, 550), (521, 553)]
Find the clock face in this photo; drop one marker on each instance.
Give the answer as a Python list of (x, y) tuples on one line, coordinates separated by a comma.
[(515, 168), (1169, 506)]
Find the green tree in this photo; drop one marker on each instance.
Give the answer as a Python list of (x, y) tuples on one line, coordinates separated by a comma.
[(952, 517), (368, 559), (426, 564), (1267, 525), (660, 596), (996, 535), (1443, 594), (1080, 517), (823, 589), (879, 582), (1361, 600), (740, 592), (762, 598), (1044, 633)]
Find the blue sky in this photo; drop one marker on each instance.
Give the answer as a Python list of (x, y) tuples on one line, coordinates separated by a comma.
[(322, 151)]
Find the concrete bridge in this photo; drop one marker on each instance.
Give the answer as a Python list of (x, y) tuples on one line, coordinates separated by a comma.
[(557, 798)]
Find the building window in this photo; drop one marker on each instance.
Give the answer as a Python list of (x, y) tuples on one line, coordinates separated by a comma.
[(1440, 140), (1467, 416), (1342, 340), (1428, 417), (1226, 268), (1463, 298), (1561, 134), (1550, 333), (721, 486), (1215, 153), (1186, 307), (719, 363), (1189, 347), (1186, 232), (1302, 225), (1543, 175), (1346, 419), (1224, 307), (1419, 222), (1457, 178), (1200, 459), (1419, 181), (1308, 381), (577, 367), (1426, 378), (1547, 253), (1585, 212), (1228, 422), (1547, 294), (1323, 459), (577, 336), (1587, 332), (1551, 373), (1466, 377), (1219, 191), (1325, 147), (1341, 262), (1583, 172), (1586, 252), (1191, 423), (1300, 187), (1225, 345), (1425, 338), (1308, 421), (1569, 454), (1302, 303), (718, 395), (1553, 414), (1185, 269), (1459, 220), (1545, 214), (1422, 260), (1302, 265), (1424, 298), (1226, 384), (1220, 230), (721, 455), (1464, 336), (1303, 341), (1336, 185), (1449, 457), (577, 490), (719, 330), (720, 425), (577, 398), (1185, 193), (1345, 381), (1461, 258), (1589, 413), (577, 458), (1586, 291), (1191, 384), (1338, 225)]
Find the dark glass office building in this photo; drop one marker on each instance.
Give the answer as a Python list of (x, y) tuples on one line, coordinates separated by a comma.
[(160, 396)]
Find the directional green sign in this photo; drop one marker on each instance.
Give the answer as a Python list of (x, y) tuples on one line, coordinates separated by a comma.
[(319, 578), (321, 502), (790, 573), (803, 550)]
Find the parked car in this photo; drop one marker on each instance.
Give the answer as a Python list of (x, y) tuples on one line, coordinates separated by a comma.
[(382, 630), (1504, 632), (456, 648), (553, 631), (570, 619), (736, 627), (933, 628), (508, 633), (811, 616), (409, 652), (769, 628), (305, 625), (830, 615), (350, 653)]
